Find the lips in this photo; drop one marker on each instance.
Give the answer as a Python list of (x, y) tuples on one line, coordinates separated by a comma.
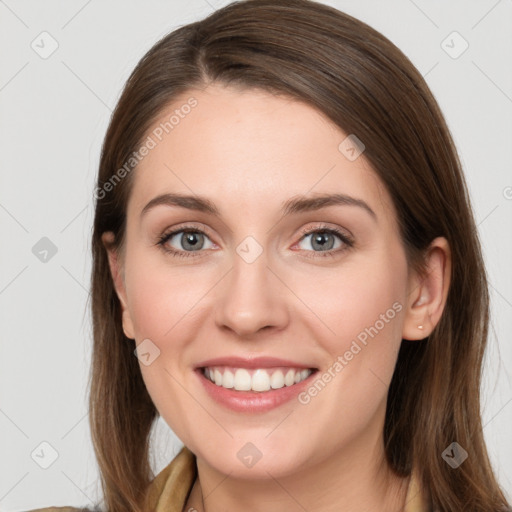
[(253, 384)]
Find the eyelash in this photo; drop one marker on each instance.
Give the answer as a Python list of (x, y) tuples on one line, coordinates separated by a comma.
[(347, 241)]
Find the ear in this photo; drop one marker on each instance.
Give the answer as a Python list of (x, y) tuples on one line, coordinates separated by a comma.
[(117, 271), (427, 294)]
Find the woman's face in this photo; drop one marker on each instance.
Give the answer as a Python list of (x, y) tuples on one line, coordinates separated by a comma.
[(263, 279)]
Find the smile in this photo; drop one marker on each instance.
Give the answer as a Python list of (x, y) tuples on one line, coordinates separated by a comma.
[(253, 390)]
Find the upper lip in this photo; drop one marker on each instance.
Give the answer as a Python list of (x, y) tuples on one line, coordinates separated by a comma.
[(253, 362)]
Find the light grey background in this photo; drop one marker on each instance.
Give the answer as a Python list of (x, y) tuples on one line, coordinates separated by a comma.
[(54, 113)]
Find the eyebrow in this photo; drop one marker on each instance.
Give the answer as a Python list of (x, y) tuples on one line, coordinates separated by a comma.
[(295, 204)]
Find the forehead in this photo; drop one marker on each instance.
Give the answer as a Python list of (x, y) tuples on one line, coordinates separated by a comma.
[(249, 147)]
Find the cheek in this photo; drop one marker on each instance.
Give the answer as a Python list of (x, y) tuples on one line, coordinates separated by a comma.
[(362, 304), (162, 303), (161, 296), (365, 294)]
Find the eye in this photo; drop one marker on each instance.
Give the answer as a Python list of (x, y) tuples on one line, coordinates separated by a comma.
[(183, 242), (323, 240)]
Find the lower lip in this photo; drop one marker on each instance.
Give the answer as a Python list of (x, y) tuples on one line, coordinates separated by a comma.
[(252, 401)]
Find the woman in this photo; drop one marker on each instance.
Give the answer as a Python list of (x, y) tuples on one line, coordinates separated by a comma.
[(284, 239)]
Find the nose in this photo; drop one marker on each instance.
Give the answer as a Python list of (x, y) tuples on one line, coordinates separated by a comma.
[(252, 298)]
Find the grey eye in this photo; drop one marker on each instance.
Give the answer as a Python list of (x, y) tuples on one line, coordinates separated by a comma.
[(321, 240), (189, 240)]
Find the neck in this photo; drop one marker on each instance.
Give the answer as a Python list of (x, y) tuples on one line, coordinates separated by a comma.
[(356, 479)]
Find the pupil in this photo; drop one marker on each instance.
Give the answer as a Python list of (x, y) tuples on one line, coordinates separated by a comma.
[(191, 240), (321, 240)]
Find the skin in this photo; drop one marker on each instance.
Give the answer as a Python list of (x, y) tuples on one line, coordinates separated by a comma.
[(248, 151)]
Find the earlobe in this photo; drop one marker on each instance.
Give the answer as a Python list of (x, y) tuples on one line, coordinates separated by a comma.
[(428, 292), (116, 272)]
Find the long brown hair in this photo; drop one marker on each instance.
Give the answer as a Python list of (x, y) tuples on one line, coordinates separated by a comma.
[(365, 84)]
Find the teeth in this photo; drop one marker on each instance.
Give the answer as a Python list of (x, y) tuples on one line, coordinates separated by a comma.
[(277, 380), (228, 379), (242, 380), (258, 379), (290, 378)]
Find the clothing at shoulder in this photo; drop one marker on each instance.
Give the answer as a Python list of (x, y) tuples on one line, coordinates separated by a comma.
[(168, 491), (59, 509), (416, 499)]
